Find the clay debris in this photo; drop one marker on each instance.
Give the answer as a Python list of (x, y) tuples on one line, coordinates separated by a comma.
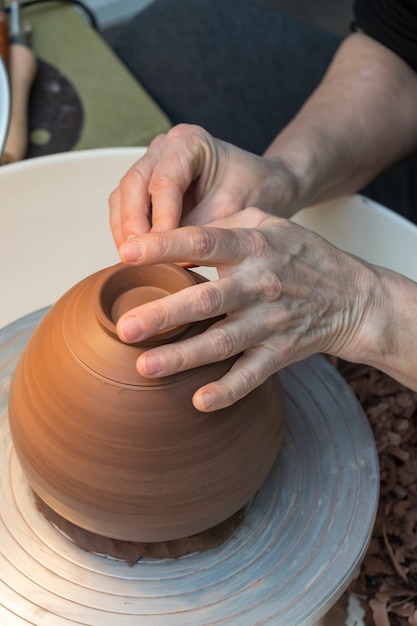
[(131, 552), (387, 580)]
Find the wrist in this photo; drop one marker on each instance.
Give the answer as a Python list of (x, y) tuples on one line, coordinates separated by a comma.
[(282, 189), (386, 338), (302, 171)]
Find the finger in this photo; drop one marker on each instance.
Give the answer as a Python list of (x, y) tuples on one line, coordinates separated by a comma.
[(180, 163), (114, 217), (222, 340), (186, 355), (248, 372), (132, 195), (198, 245), (196, 303)]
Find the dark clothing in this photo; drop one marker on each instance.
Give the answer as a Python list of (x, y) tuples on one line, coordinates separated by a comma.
[(242, 70), (238, 68), (391, 22)]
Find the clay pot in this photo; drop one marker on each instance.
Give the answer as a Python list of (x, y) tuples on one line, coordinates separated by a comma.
[(124, 456)]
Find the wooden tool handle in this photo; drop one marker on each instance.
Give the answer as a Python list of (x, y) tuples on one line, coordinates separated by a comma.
[(22, 71), (4, 43)]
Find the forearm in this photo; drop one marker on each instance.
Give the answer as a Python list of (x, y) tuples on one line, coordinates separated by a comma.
[(386, 338), (359, 121)]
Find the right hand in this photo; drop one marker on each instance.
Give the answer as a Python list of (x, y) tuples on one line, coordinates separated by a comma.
[(283, 293), (187, 177)]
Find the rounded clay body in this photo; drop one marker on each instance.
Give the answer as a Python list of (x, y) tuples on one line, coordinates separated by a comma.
[(124, 456)]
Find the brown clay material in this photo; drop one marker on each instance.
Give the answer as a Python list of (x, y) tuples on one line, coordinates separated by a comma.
[(124, 456), (132, 551)]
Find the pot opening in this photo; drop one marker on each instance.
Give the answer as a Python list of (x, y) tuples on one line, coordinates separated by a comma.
[(126, 287)]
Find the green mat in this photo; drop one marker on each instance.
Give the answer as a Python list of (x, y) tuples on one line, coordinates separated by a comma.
[(117, 111)]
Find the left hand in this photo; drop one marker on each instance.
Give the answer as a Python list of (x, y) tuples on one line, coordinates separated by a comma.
[(187, 177), (286, 293)]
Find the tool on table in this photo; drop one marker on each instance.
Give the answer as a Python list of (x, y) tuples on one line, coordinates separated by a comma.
[(4, 104), (22, 65), (4, 38)]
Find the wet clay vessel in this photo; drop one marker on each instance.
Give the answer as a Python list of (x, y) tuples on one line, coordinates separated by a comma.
[(124, 456)]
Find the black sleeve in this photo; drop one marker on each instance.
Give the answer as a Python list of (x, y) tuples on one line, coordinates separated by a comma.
[(391, 22)]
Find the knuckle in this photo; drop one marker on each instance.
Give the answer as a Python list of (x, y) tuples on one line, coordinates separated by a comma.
[(132, 178), (259, 243), (232, 395), (210, 301), (178, 131), (163, 244), (202, 241), (159, 316), (157, 142), (181, 130), (247, 380), (224, 343), (270, 286), (159, 182), (178, 359)]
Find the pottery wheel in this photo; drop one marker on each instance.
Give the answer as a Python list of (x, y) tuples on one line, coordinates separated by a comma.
[(294, 554)]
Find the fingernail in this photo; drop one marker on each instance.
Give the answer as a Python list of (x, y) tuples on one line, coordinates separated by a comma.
[(130, 250), (151, 364), (207, 400), (130, 329)]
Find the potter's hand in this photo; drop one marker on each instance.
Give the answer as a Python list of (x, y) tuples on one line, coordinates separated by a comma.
[(188, 177), (286, 293)]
